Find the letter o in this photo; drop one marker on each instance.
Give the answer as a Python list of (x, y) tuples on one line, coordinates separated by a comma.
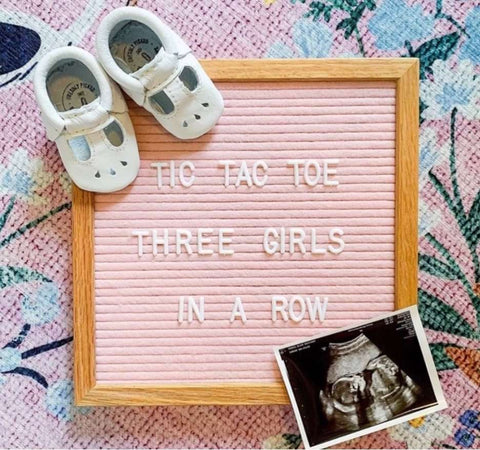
[(296, 299)]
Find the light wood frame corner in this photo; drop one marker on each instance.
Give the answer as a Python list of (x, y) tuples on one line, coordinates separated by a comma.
[(405, 73)]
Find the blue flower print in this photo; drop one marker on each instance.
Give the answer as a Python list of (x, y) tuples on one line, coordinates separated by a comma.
[(471, 47), (453, 95), (464, 438), (451, 87), (312, 39), (42, 306), (471, 419), (394, 23), (466, 435), (10, 359), (21, 182), (280, 50), (13, 359), (25, 178), (59, 401)]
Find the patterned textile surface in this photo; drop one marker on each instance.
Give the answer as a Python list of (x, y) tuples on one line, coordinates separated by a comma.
[(35, 279)]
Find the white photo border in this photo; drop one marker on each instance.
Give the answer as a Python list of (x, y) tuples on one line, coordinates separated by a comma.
[(426, 354)]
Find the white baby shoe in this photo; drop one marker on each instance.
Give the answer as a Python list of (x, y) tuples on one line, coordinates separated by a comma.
[(157, 69), (85, 114)]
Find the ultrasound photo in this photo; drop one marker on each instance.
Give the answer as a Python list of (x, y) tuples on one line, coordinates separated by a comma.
[(359, 380)]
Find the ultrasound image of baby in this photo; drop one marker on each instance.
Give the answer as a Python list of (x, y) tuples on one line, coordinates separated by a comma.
[(354, 381), (364, 386)]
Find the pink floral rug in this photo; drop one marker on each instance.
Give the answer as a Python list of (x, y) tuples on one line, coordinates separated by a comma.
[(35, 280)]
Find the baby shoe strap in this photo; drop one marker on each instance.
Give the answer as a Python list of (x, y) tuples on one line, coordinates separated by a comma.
[(159, 72), (85, 120), (180, 96)]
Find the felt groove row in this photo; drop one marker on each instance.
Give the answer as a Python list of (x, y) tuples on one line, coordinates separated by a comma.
[(138, 336)]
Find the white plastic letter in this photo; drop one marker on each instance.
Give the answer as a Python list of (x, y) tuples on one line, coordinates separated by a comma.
[(172, 173), (268, 246), (203, 241), (329, 171), (238, 311), (291, 308), (306, 172), (156, 241), (198, 310), (159, 166), (181, 173), (335, 236), (317, 306), (140, 234), (314, 249), (183, 237), (259, 182), (224, 241), (297, 236), (296, 173), (243, 175), (181, 307), (279, 305), (283, 240), (226, 168)]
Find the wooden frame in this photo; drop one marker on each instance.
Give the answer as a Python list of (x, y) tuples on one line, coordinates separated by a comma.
[(405, 73)]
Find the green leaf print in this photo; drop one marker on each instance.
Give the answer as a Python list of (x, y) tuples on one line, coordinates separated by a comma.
[(10, 275), (6, 212), (473, 232), (439, 316), (437, 48), (438, 268), (354, 10), (442, 360)]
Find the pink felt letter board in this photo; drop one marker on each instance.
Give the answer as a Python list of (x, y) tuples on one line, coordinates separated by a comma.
[(295, 215)]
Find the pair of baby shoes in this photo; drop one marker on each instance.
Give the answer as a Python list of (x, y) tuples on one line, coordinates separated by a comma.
[(84, 111)]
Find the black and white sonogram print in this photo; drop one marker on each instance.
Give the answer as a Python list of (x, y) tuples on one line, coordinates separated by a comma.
[(354, 379)]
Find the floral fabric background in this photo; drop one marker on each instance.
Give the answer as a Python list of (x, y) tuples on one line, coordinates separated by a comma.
[(35, 279)]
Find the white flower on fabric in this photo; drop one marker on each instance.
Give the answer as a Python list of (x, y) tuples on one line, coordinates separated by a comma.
[(427, 218), (456, 87), (431, 154), (423, 432), (25, 178)]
